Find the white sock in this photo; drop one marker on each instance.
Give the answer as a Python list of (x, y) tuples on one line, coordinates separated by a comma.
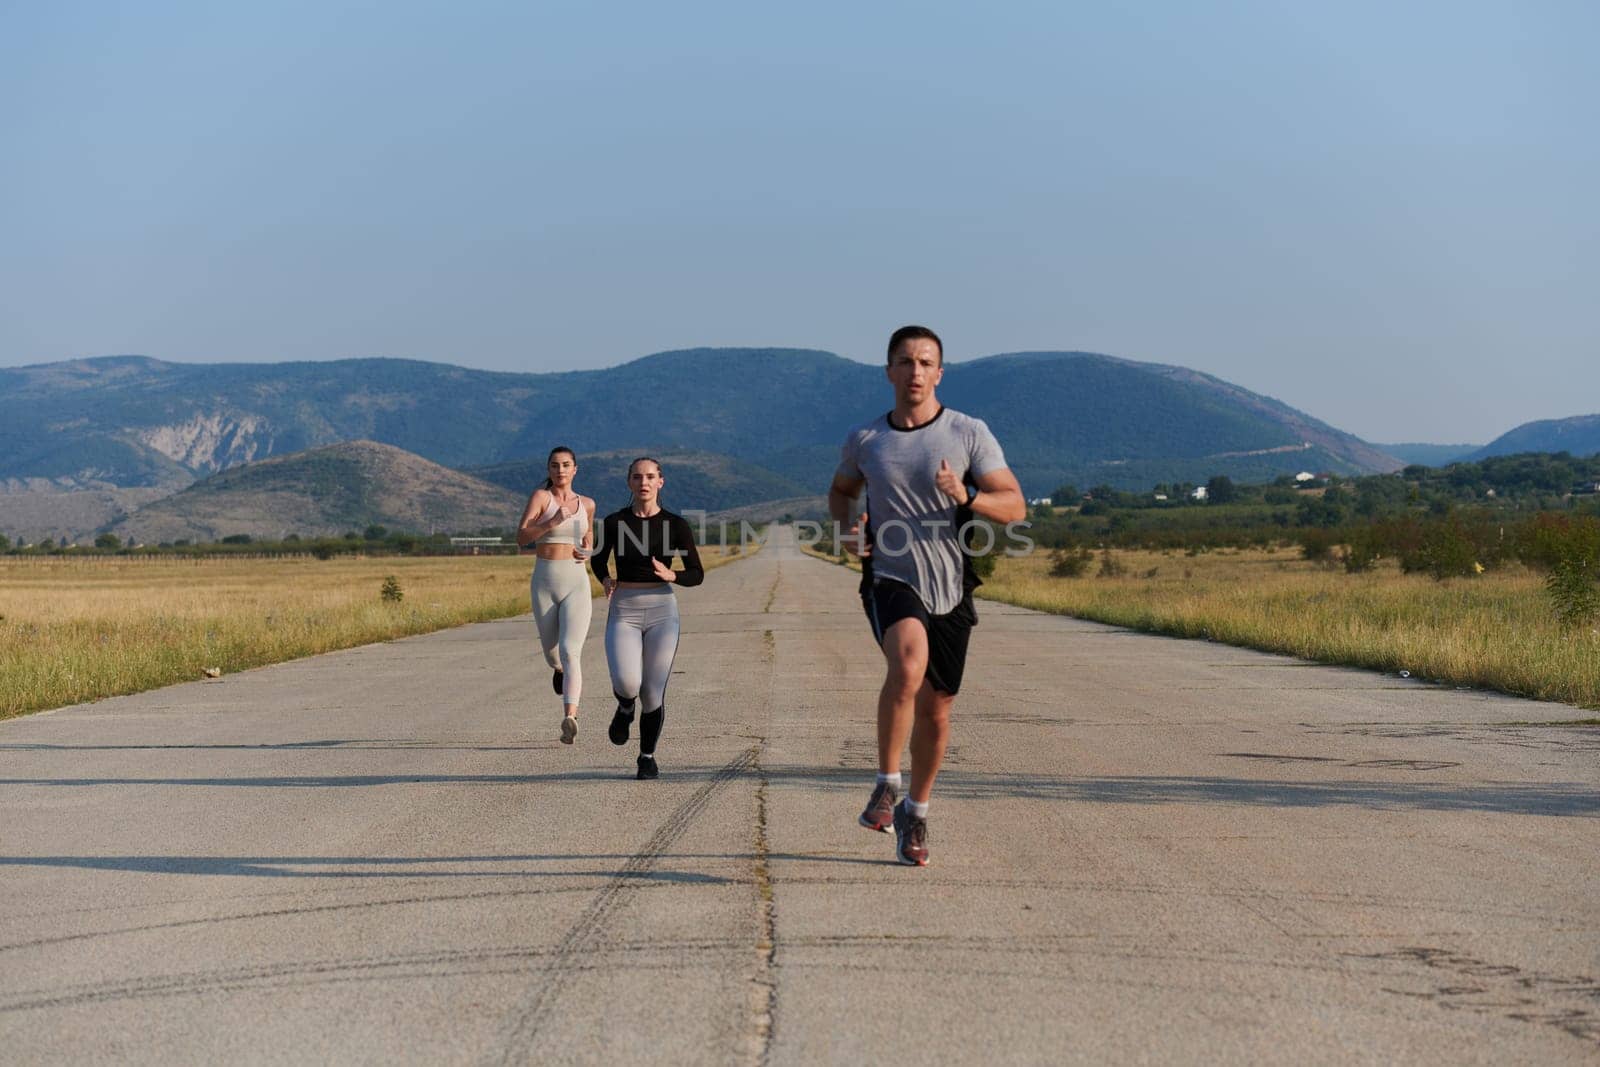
[(913, 808), (891, 779)]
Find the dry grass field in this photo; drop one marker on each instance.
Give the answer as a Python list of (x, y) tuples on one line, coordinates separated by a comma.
[(73, 630), (1494, 631)]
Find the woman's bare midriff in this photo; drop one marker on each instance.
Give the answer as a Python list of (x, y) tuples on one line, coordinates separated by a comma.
[(554, 551), (639, 585)]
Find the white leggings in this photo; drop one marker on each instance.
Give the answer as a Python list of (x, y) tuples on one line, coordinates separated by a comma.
[(561, 610), (641, 642)]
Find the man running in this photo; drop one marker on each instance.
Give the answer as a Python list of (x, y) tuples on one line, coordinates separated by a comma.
[(927, 471)]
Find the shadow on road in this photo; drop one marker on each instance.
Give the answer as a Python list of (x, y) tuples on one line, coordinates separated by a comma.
[(1509, 798), (351, 866), (1558, 799)]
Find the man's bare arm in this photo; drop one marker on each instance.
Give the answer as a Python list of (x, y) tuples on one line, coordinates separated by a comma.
[(999, 497), (842, 497)]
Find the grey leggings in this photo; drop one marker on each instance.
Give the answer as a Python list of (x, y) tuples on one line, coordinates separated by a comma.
[(641, 642), (561, 610)]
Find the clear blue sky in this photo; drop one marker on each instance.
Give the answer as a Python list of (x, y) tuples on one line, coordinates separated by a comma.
[(1383, 214)]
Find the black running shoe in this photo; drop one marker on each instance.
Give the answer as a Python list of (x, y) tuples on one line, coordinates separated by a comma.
[(879, 812), (910, 837), (648, 768), (620, 722), (558, 681)]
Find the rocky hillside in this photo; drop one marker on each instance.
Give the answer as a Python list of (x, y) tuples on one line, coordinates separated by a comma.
[(326, 491)]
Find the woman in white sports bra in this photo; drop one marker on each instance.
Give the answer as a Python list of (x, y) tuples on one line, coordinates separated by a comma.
[(559, 524)]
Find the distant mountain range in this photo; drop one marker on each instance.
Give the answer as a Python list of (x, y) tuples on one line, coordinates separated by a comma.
[(1579, 435), (105, 443), (694, 480), (128, 422)]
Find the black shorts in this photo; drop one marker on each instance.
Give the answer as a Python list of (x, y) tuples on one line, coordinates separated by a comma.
[(888, 602)]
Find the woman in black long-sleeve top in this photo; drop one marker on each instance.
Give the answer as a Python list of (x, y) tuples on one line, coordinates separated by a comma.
[(642, 618)]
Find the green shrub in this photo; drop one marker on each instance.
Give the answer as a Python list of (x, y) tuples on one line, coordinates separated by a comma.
[(1572, 589), (1070, 562), (1364, 550), (1549, 539), (391, 591), (1568, 548), (1317, 542), (1446, 551)]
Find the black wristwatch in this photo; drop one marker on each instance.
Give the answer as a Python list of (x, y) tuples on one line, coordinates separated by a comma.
[(972, 494)]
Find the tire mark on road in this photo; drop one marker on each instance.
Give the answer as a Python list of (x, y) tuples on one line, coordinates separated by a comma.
[(302, 910), (429, 966), (1478, 987), (527, 1018)]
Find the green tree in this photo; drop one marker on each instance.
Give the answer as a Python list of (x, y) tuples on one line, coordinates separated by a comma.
[(1221, 490), (1280, 494), (1379, 495), (1319, 511), (108, 541), (1066, 493)]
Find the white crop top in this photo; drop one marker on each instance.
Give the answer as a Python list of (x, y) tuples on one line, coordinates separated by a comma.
[(569, 532)]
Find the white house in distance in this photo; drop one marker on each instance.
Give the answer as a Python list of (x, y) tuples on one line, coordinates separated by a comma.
[(1199, 493), (1305, 476)]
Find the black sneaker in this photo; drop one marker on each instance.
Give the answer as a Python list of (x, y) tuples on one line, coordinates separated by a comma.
[(558, 681), (620, 722), (879, 812), (910, 837), (648, 768)]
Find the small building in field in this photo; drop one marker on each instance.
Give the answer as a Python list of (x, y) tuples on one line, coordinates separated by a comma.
[(482, 546), (1199, 493)]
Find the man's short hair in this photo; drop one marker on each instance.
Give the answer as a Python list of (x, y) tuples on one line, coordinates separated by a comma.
[(913, 333)]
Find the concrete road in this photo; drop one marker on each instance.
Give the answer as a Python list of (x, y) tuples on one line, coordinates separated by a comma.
[(1143, 849)]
